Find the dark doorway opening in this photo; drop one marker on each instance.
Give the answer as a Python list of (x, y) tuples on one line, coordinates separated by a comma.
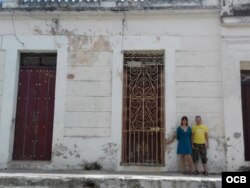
[(245, 93)]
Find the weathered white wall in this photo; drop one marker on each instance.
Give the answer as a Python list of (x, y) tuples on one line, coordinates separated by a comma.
[(2, 62), (199, 89), (90, 124), (88, 105)]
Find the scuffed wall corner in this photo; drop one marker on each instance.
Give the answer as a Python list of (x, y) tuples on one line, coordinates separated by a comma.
[(217, 154), (233, 151), (59, 150), (100, 156), (109, 158), (171, 158)]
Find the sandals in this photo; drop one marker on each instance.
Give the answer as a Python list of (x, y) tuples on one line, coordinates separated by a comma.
[(196, 172), (187, 173), (205, 173)]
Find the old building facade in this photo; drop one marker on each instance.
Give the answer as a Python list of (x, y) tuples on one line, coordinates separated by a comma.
[(106, 81)]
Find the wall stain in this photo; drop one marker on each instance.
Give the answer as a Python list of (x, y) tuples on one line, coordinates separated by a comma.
[(110, 155), (59, 150), (38, 30), (80, 57), (78, 42), (70, 76), (101, 44), (237, 135), (78, 155)]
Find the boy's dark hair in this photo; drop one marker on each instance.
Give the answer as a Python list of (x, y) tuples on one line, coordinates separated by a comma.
[(197, 117)]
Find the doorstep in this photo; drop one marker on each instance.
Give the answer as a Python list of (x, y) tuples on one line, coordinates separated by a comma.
[(103, 179)]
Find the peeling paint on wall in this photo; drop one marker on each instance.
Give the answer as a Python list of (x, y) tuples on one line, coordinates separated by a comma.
[(59, 150), (101, 44), (38, 30), (109, 158), (79, 42)]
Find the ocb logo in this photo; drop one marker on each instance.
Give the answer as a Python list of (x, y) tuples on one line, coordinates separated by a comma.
[(236, 179)]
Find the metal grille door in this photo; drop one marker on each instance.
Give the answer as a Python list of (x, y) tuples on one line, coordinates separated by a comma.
[(143, 109), (35, 108)]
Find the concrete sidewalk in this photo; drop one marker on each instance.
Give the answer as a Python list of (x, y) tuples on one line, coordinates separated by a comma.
[(102, 179)]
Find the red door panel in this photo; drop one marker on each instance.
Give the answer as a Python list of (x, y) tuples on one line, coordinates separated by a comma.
[(35, 108)]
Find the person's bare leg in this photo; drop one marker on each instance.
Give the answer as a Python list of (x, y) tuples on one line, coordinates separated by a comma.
[(190, 163), (185, 161), (182, 164)]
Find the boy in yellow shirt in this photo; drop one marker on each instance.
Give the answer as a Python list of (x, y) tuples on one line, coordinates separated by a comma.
[(200, 144)]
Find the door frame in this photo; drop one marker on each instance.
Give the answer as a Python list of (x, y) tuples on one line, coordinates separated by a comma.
[(42, 44), (125, 152), (168, 44), (235, 51)]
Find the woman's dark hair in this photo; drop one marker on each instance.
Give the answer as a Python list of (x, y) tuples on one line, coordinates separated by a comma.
[(184, 118)]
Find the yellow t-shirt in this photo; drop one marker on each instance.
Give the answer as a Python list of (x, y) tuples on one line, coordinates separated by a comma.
[(199, 134)]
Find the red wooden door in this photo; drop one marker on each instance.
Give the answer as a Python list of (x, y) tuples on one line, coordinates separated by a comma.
[(245, 91), (35, 107)]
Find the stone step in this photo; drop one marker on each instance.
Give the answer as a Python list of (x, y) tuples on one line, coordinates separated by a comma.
[(99, 179)]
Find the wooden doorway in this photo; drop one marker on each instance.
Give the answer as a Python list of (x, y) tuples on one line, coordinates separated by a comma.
[(143, 108), (35, 107), (245, 92)]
